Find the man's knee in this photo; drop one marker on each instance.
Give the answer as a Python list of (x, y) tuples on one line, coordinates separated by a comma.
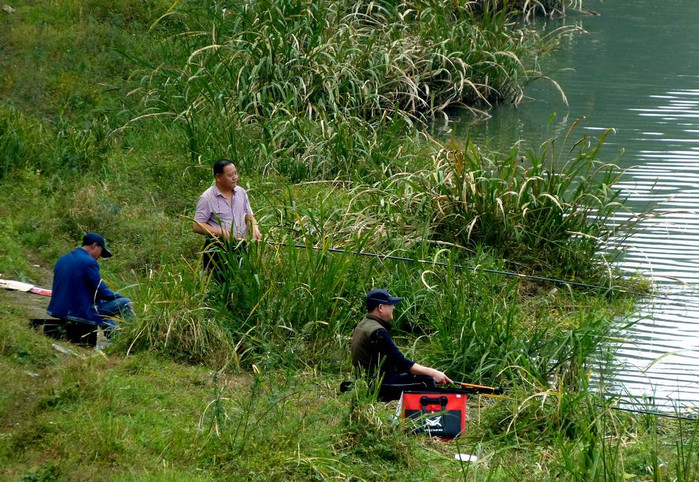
[(122, 302), (125, 307), (118, 307)]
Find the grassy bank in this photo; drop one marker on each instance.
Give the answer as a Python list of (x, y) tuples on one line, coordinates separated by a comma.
[(110, 118), (90, 416)]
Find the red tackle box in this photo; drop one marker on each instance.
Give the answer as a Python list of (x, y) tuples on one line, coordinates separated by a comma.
[(437, 414)]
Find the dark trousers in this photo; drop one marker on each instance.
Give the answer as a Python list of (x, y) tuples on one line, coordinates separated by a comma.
[(394, 385)]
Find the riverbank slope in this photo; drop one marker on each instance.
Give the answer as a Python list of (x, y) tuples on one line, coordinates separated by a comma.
[(112, 114)]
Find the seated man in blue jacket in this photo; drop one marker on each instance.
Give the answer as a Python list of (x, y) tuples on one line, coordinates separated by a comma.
[(376, 356), (79, 293)]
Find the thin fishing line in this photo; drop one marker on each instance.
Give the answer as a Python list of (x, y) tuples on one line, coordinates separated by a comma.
[(670, 297)]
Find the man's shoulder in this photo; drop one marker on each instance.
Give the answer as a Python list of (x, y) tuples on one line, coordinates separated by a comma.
[(76, 257), (84, 257), (370, 325), (211, 191)]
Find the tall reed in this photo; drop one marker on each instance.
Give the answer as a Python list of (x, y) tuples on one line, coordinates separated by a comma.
[(290, 82), (547, 210), (285, 305), (172, 318), (529, 9), (19, 140)]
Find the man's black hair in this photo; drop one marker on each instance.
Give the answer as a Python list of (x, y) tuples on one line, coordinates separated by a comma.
[(220, 165)]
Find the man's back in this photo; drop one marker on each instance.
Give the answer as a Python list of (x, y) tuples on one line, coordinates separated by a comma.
[(76, 278), (373, 348), (364, 352)]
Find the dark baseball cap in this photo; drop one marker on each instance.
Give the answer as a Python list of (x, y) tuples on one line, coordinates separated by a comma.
[(380, 297), (91, 238)]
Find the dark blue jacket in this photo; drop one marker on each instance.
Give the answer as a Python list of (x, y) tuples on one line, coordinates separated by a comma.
[(78, 287)]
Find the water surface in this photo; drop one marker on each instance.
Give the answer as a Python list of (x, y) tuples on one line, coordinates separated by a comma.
[(634, 68)]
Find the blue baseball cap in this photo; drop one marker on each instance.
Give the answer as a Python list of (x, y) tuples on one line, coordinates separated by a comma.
[(380, 297), (91, 238)]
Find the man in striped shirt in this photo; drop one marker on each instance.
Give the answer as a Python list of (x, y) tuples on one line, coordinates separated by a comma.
[(223, 214)]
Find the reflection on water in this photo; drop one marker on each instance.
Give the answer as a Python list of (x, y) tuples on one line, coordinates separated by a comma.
[(635, 70), (661, 357)]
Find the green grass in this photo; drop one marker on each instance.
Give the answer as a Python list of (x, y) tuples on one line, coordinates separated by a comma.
[(544, 210), (106, 417), (314, 95), (321, 105)]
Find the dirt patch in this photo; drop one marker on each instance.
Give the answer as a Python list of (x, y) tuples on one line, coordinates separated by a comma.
[(34, 306)]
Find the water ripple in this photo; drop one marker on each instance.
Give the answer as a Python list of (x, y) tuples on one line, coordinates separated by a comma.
[(658, 356)]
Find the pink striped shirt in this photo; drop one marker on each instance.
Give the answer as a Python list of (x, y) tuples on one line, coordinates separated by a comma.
[(213, 209)]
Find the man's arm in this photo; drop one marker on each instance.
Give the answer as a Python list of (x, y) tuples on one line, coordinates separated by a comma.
[(393, 356), (102, 291), (207, 230), (250, 217), (256, 235), (437, 376), (200, 225), (389, 353)]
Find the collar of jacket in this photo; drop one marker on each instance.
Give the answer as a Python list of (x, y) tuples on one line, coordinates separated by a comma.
[(383, 323)]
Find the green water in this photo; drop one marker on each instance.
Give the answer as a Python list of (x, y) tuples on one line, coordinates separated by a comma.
[(633, 68)]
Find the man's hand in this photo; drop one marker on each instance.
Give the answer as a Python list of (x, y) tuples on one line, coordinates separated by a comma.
[(436, 375), (440, 378), (211, 231)]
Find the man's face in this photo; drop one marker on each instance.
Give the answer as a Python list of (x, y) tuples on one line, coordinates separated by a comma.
[(228, 179), (95, 251), (386, 312)]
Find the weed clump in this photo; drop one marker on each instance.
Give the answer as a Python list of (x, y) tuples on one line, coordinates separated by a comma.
[(313, 96), (544, 212)]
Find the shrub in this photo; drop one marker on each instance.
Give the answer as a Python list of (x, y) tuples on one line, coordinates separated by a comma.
[(542, 211)]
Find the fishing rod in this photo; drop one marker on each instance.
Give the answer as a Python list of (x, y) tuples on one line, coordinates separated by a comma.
[(472, 268), (496, 392), (482, 389), (654, 414)]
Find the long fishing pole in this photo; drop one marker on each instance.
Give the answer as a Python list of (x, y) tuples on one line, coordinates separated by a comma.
[(472, 268), (654, 414), (481, 388), (496, 392), (668, 297)]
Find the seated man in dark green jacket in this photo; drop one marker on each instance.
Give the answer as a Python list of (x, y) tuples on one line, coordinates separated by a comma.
[(376, 356)]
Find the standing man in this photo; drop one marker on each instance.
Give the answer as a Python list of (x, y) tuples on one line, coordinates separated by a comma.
[(375, 354), (79, 292), (223, 213)]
